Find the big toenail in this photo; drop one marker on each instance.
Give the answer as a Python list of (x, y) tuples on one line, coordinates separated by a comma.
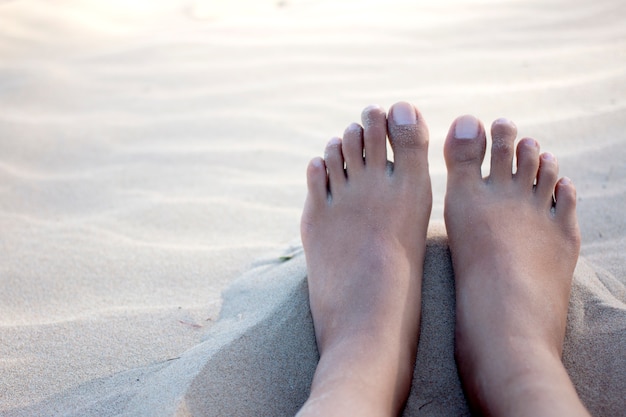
[(404, 114), (466, 127)]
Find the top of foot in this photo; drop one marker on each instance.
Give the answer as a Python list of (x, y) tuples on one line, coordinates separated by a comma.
[(364, 230), (514, 242)]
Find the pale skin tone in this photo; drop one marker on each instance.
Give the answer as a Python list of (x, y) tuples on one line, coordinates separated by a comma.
[(364, 245), (513, 256), (364, 231)]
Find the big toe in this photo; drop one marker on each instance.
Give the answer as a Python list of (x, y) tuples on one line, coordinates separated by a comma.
[(408, 135), (464, 149)]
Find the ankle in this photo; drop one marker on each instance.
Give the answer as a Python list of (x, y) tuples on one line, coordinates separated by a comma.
[(359, 379), (531, 381), (346, 394)]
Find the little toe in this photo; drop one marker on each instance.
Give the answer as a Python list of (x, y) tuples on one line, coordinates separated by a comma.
[(565, 210), (334, 165), (503, 133), (352, 148), (374, 122), (464, 149), (527, 163), (546, 178), (408, 135), (317, 182)]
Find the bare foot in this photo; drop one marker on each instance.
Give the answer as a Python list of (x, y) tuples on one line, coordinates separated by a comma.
[(514, 251), (364, 232)]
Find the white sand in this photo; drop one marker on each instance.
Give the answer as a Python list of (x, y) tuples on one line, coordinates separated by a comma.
[(152, 153)]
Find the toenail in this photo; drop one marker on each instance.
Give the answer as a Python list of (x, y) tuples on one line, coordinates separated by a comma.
[(318, 162), (466, 127), (372, 114), (334, 142), (403, 114), (565, 181), (547, 156), (354, 128), (372, 107), (503, 121), (530, 143)]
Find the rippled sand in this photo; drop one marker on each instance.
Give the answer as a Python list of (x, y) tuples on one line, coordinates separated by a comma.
[(152, 152)]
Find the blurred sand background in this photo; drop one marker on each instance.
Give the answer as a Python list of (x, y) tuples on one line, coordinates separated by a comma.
[(152, 152)]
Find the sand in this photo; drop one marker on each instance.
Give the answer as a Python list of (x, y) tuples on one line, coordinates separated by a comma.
[(152, 159)]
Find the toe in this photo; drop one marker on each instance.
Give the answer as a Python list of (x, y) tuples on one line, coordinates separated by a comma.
[(565, 209), (408, 135), (527, 163), (352, 148), (503, 133), (374, 122), (334, 164), (317, 182), (546, 178), (464, 149)]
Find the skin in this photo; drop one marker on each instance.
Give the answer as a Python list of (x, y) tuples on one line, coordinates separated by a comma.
[(513, 251), (364, 237)]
